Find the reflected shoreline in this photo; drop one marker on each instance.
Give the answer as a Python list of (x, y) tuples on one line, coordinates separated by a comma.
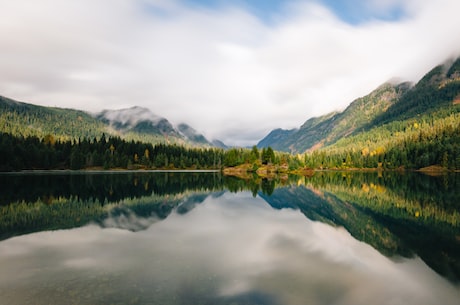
[(409, 214), (224, 248), (107, 171)]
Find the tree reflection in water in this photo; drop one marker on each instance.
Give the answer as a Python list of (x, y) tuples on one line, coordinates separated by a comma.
[(404, 215)]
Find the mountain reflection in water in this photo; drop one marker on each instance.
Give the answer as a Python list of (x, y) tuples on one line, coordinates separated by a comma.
[(203, 244)]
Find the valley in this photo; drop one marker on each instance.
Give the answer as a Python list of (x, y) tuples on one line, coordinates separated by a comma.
[(398, 126)]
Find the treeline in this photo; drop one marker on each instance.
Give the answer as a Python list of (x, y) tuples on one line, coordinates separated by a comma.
[(258, 158), (412, 144), (429, 140), (104, 187), (67, 200), (19, 153)]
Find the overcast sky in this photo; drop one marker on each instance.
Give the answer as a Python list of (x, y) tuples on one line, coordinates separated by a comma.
[(233, 70)]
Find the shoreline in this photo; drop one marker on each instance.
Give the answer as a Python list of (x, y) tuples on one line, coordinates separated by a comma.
[(109, 171), (230, 171)]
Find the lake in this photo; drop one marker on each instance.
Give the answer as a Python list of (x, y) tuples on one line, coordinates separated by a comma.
[(203, 238)]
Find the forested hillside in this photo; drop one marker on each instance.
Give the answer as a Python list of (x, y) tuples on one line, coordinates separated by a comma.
[(438, 89), (421, 129), (430, 139), (23, 119), (397, 126), (392, 110), (326, 130), (136, 123)]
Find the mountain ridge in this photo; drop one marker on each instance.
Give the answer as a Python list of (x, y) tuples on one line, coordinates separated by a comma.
[(134, 123), (324, 130), (439, 89)]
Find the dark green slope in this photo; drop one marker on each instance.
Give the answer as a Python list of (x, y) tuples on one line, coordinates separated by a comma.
[(139, 124), (436, 90), (30, 120), (437, 95), (328, 129)]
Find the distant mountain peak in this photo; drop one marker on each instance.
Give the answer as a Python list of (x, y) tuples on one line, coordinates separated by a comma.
[(130, 117), (392, 101), (142, 120), (133, 123), (191, 134), (327, 129)]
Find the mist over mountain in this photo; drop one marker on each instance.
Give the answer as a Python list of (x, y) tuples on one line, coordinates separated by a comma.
[(130, 117), (135, 123), (438, 90), (191, 134)]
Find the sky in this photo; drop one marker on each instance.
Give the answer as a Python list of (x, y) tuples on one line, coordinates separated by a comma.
[(233, 70)]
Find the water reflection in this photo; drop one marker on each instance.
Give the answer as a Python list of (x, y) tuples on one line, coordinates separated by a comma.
[(408, 215), (177, 238), (232, 249), (37, 202)]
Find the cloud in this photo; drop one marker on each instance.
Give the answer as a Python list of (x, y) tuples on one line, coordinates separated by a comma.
[(223, 70)]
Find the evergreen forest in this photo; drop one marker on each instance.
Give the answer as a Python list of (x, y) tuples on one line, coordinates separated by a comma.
[(396, 146), (22, 153), (395, 127)]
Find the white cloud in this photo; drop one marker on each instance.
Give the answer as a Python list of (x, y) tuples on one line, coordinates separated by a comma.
[(223, 71)]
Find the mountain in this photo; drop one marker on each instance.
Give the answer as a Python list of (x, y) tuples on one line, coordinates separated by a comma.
[(436, 92), (136, 123), (137, 119), (22, 119), (327, 129), (439, 88), (276, 138), (192, 135), (219, 144), (141, 124)]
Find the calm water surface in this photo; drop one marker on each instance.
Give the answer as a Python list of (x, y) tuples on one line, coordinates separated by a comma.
[(178, 238)]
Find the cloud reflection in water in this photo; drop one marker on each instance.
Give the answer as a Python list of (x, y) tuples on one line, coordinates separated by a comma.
[(233, 248)]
